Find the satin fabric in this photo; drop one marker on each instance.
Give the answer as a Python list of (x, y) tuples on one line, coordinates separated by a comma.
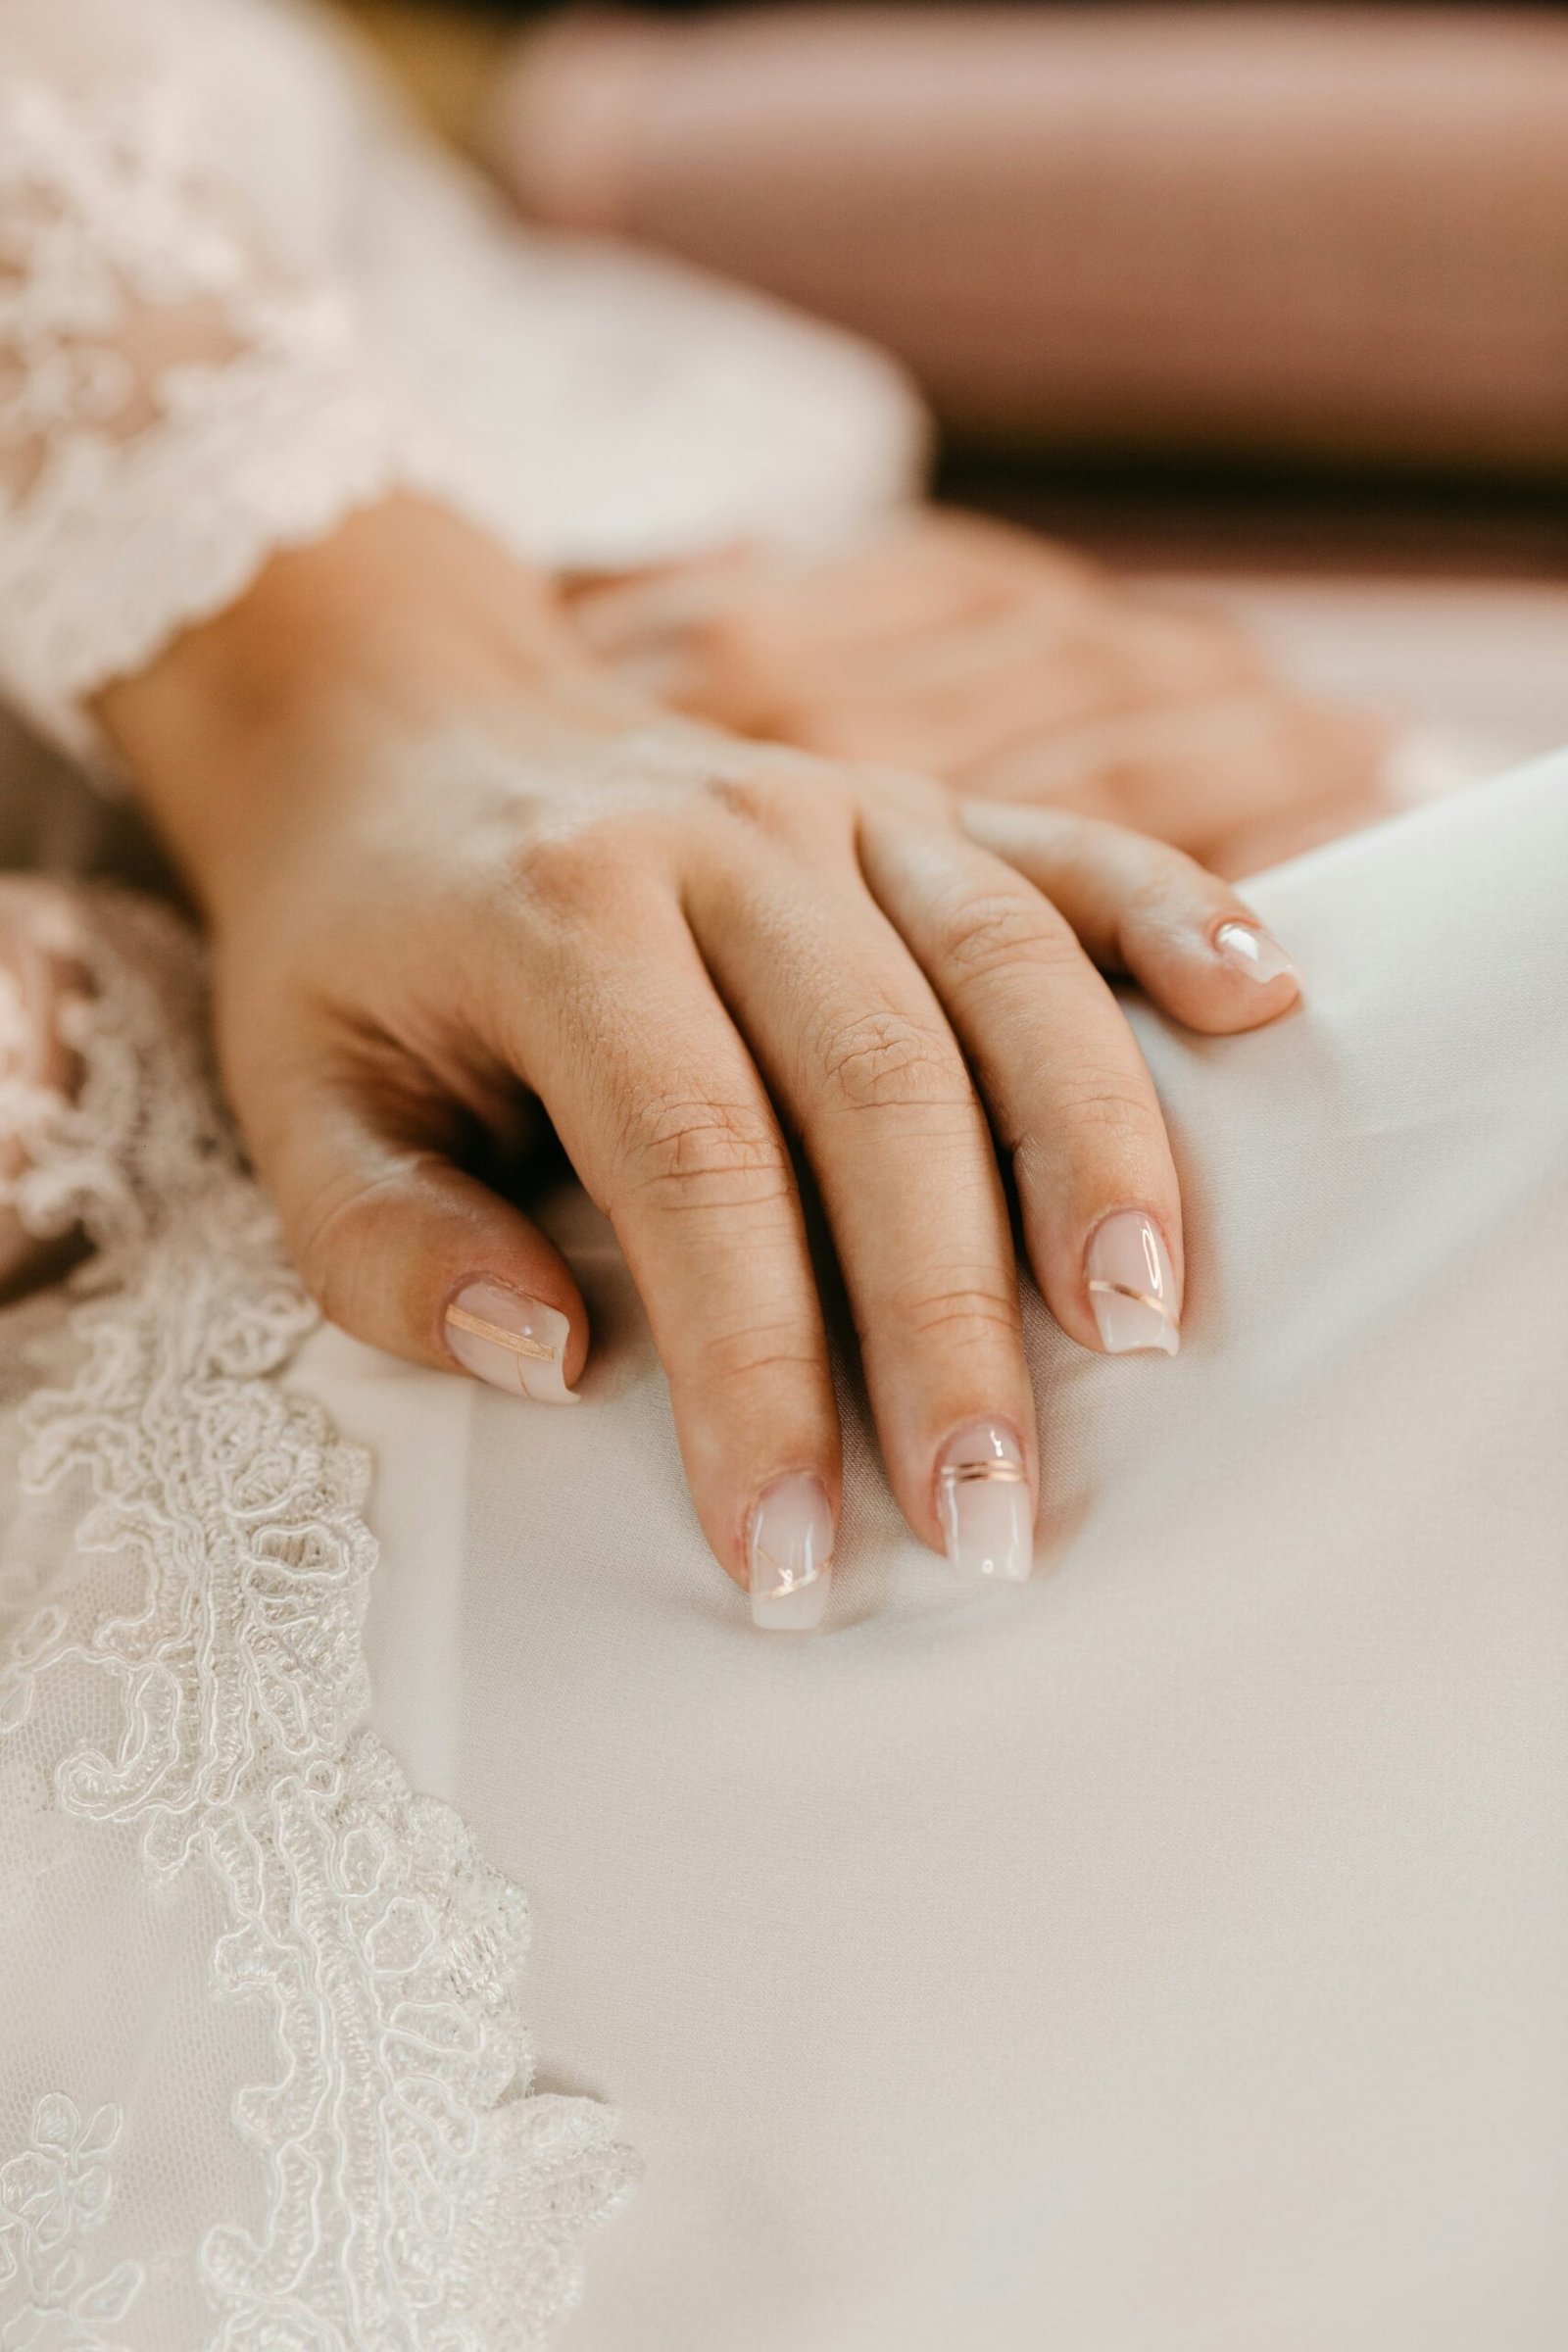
[(1168, 1953)]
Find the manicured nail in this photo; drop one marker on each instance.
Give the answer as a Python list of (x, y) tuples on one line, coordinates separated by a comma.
[(983, 1504), (1252, 950), (1131, 1287), (790, 1555), (514, 1343)]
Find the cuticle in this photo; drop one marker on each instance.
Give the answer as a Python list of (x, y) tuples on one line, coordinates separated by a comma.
[(1123, 1208)]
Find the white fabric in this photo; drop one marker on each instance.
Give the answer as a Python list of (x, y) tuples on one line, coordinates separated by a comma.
[(1169, 1954)]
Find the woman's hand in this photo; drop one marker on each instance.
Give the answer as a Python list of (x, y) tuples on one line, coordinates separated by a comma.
[(1010, 667), (450, 882)]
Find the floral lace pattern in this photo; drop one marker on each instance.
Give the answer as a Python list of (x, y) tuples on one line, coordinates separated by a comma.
[(54, 2194), (418, 2195), (171, 411)]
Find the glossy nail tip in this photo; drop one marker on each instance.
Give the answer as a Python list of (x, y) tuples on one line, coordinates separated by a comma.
[(1132, 1289), (512, 1342), (1254, 950), (790, 1556), (984, 1506)]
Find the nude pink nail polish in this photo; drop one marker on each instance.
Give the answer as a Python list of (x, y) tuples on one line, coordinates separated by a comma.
[(790, 1555), (984, 1505), (1252, 950), (514, 1342), (1132, 1287)]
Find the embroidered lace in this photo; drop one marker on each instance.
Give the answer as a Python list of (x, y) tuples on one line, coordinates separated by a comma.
[(184, 1683), (173, 407)]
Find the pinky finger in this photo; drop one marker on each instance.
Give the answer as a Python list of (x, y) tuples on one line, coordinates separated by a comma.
[(1142, 908), (407, 1251)]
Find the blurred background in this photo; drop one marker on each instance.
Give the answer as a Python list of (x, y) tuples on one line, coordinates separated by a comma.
[(1270, 300)]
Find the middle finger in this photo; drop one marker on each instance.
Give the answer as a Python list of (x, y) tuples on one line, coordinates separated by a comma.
[(859, 1056), (1061, 1069)]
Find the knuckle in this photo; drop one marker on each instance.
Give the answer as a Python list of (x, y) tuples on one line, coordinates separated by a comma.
[(565, 869), (881, 1059), (1101, 1103), (755, 1355), (757, 799), (695, 1150), (984, 931), (962, 1318), (786, 797), (333, 1230)]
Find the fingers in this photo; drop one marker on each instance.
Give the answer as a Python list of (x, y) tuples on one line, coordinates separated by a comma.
[(1142, 908), (1071, 1097), (666, 1121), (801, 648), (405, 1251), (988, 686), (1196, 772), (857, 1051)]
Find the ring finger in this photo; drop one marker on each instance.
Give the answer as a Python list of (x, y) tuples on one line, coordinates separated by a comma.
[(1072, 1101)]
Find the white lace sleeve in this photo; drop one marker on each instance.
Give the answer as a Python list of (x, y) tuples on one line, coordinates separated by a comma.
[(173, 406)]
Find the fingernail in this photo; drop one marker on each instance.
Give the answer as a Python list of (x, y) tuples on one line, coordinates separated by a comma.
[(983, 1504), (790, 1555), (1252, 950), (512, 1342), (1131, 1287)]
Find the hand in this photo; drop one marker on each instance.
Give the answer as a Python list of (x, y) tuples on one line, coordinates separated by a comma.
[(450, 883), (1008, 666)]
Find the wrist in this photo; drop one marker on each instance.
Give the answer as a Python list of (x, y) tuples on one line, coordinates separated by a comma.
[(252, 728)]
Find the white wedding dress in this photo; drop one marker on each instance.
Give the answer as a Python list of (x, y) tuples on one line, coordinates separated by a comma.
[(1168, 1954)]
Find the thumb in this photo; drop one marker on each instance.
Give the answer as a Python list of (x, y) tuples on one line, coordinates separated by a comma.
[(405, 1251)]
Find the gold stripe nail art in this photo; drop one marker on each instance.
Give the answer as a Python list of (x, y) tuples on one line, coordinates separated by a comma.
[(1131, 1284), (790, 1554), (1124, 1290), (789, 1579), (983, 1504), (1008, 1474), (515, 1342)]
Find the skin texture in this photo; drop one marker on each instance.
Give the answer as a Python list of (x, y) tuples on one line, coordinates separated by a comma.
[(460, 888), (1009, 666)]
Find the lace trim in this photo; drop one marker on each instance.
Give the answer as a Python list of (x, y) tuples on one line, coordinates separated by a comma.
[(419, 2194), (170, 413)]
